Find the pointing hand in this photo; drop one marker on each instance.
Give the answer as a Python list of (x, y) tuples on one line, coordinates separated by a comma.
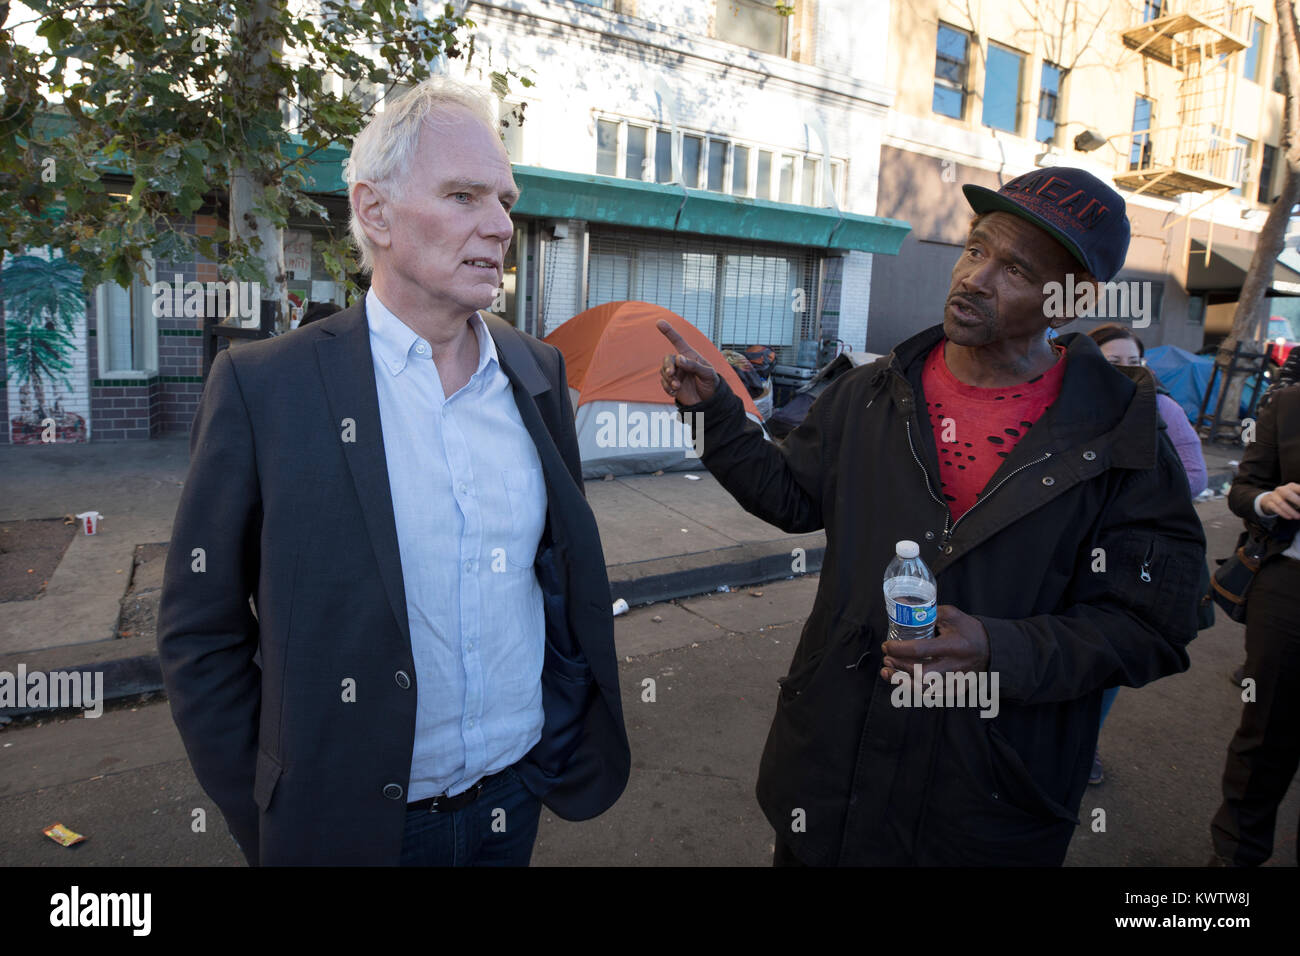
[(686, 377)]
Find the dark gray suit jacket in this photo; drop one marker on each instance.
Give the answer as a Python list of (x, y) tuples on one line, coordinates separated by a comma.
[(280, 507)]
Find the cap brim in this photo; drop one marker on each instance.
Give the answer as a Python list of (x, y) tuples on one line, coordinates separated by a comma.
[(983, 200)]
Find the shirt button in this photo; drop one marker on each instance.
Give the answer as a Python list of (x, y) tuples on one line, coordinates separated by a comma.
[(1089, 455), (469, 646), (469, 565), (464, 488), (1049, 481), (420, 348), (470, 723), (403, 680), (393, 791)]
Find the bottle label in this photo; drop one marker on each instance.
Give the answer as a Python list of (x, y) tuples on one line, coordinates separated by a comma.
[(911, 615)]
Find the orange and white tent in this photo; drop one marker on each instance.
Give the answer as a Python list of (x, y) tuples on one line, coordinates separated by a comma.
[(626, 424)]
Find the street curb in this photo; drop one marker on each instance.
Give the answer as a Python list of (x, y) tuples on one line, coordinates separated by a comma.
[(687, 575), (124, 677), (638, 583)]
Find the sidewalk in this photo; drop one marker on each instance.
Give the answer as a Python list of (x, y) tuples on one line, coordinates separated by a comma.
[(664, 537)]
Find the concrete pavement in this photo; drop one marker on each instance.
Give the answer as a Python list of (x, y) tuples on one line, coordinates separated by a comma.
[(124, 782), (664, 536)]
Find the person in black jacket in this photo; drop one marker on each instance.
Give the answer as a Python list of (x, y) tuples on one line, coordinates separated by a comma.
[(1265, 751), (1071, 567)]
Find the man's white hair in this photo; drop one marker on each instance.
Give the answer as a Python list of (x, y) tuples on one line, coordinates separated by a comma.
[(383, 151)]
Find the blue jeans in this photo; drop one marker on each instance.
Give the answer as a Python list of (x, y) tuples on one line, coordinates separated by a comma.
[(1107, 698), (497, 829)]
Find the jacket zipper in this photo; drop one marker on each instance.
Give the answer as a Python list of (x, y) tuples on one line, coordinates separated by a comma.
[(1146, 563), (1005, 478), (948, 531)]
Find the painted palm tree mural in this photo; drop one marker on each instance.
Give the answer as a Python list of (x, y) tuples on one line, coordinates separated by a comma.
[(44, 302)]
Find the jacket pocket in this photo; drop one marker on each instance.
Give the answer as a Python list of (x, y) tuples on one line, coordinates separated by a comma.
[(1156, 579), (1016, 786), (794, 683), (265, 778)]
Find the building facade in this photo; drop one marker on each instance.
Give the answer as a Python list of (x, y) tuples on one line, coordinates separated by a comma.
[(1177, 103)]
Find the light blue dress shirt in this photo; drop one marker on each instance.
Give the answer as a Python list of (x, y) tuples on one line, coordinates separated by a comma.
[(469, 502)]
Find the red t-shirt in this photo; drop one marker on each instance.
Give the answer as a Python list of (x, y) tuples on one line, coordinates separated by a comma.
[(976, 428)]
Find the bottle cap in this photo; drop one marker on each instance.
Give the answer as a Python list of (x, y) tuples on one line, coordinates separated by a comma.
[(907, 549)]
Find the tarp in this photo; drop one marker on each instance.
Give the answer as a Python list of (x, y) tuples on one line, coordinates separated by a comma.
[(789, 415), (1187, 376), (626, 424)]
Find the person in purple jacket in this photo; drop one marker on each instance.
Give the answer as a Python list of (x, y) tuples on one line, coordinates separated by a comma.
[(1122, 347)]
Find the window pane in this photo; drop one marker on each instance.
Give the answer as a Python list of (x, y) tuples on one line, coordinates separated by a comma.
[(663, 156), (750, 23), (634, 167), (1151, 10), (717, 163), (809, 188), (1250, 69), (1002, 89), (950, 71), (606, 148), (764, 183), (786, 185), (946, 101), (140, 303), (740, 170), (117, 325), (1241, 164), (1048, 97), (691, 146), (1140, 152), (837, 181), (1266, 164)]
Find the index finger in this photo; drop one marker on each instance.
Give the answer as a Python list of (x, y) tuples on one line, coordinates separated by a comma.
[(670, 333)]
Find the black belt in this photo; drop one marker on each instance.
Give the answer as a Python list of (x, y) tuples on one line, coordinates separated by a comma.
[(445, 804)]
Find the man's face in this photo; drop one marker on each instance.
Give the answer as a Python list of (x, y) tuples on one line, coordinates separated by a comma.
[(449, 223), (997, 284)]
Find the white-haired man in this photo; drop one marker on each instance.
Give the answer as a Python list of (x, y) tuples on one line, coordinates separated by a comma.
[(398, 489)]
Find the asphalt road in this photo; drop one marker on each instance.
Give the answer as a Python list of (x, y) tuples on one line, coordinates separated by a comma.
[(123, 781)]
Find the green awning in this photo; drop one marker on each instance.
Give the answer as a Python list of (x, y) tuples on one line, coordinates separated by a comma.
[(554, 194)]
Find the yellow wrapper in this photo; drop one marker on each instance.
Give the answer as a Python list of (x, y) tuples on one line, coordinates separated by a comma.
[(62, 835)]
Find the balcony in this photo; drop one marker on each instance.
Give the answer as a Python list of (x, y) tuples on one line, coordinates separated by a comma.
[(1172, 160), (1191, 30)]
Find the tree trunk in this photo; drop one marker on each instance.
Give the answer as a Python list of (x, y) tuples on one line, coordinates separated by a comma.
[(1249, 320), (251, 187)]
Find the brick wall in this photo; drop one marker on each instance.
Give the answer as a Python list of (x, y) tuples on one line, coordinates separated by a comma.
[(855, 297)]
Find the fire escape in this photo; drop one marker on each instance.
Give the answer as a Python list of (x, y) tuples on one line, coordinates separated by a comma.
[(1198, 152)]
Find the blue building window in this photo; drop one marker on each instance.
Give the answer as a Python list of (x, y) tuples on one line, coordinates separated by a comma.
[(1002, 89), (1139, 156), (951, 59), (1049, 96)]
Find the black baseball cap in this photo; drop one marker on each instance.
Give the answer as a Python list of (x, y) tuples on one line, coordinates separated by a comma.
[(1075, 207)]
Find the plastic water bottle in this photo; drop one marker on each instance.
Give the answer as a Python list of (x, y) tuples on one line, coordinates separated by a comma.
[(910, 594)]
